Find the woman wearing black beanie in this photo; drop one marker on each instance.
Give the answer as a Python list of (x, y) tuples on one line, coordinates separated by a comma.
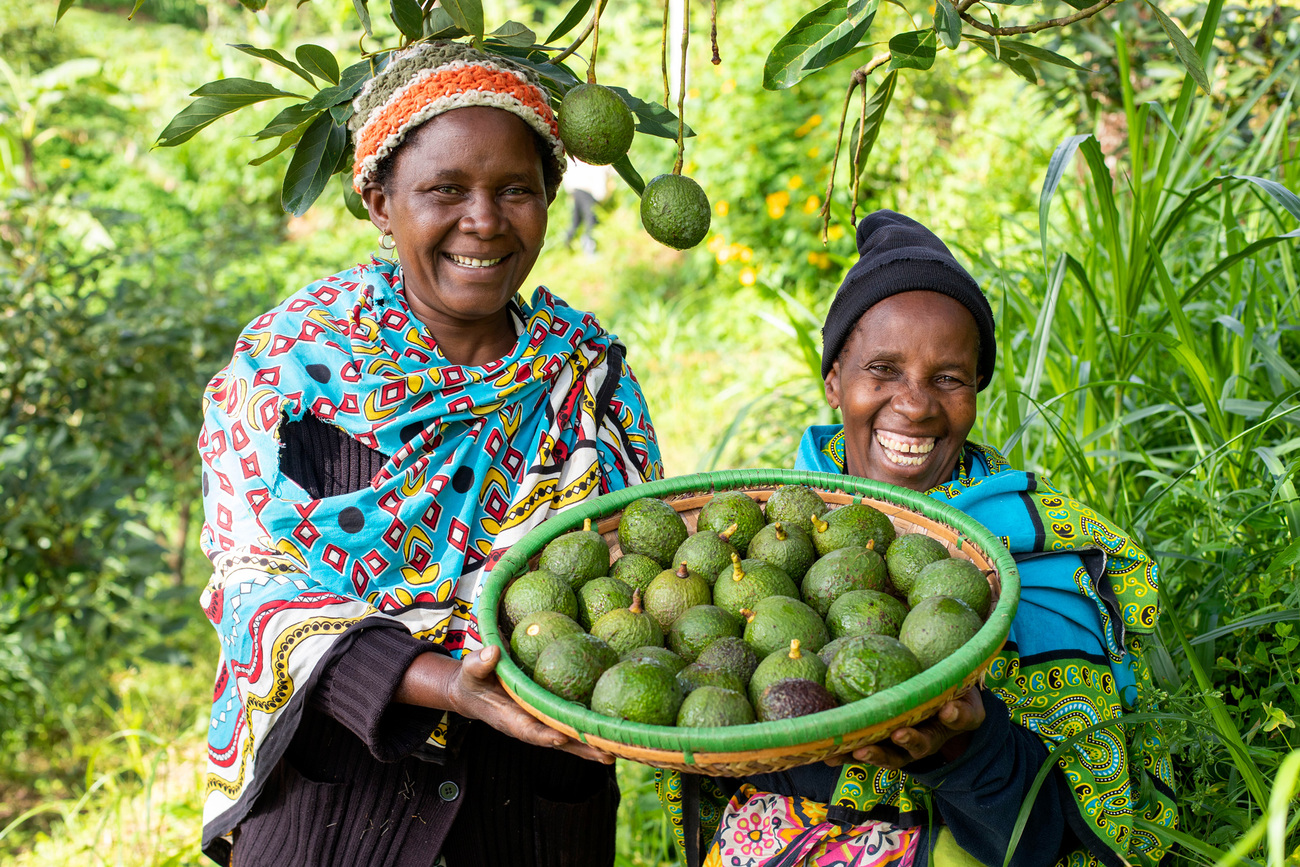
[(908, 344)]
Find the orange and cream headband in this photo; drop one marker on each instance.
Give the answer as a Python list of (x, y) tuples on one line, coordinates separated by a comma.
[(433, 78)]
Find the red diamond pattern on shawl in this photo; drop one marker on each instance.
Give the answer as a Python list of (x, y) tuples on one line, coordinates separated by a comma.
[(392, 393), (538, 334), (494, 442), (305, 509), (213, 609), (258, 499), (350, 372), (559, 327), (460, 404), (306, 533), (391, 502), (249, 466), (431, 516), (263, 321), (375, 562), (368, 439), (217, 446), (323, 409), (422, 401), (474, 559), (281, 343), (267, 376), (360, 580), (458, 535), (335, 557), (310, 330), (514, 463), (223, 482), (297, 305), (326, 294), (393, 535), (394, 319), (495, 504), (349, 404), (224, 518), (454, 376), (238, 436), (418, 355), (420, 558)]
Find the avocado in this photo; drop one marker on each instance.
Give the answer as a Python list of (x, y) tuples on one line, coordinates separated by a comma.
[(538, 591), (571, 665), (749, 581), (644, 692), (653, 528), (786, 663), (794, 506), (778, 619), (868, 664), (707, 553), (832, 647), (936, 627), (600, 595), (700, 626), (661, 655), (855, 524), (865, 611), (534, 632), (958, 578), (672, 592), (635, 570), (576, 557), (711, 706), (787, 548), (842, 570), (694, 676), (910, 553), (628, 628), (727, 508), (731, 655), (793, 697)]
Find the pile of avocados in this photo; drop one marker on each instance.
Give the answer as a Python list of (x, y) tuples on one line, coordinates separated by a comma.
[(763, 614)]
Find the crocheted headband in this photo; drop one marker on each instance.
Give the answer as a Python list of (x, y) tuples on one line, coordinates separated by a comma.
[(433, 78)]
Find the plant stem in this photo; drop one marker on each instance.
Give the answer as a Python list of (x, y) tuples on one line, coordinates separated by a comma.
[(663, 57), (1033, 28), (595, 44), (713, 31), (839, 139), (582, 37), (681, 89)]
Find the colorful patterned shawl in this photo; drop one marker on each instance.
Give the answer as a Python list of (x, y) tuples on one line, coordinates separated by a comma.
[(479, 455), (1074, 658)]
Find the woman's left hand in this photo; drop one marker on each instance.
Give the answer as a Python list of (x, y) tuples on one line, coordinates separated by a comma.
[(947, 733)]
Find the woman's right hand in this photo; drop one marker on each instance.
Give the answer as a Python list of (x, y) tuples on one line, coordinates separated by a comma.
[(470, 687)]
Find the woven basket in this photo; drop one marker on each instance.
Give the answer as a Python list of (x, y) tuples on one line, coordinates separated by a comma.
[(771, 746)]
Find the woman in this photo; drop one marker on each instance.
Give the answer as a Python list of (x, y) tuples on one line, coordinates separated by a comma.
[(375, 444), (909, 342)]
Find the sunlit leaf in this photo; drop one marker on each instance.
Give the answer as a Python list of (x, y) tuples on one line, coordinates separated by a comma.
[(286, 141), (350, 83), (1182, 47), (438, 25), (216, 100), (1027, 50), (362, 8), (823, 36), (64, 6), (877, 105), (468, 15), (314, 160), (253, 5), (318, 61), (570, 20), (652, 118), (514, 33), (408, 16), (277, 58), (913, 50), (947, 23), (352, 199), (628, 173), (289, 118)]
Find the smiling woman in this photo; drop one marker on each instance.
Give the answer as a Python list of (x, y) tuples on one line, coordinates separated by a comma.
[(375, 444)]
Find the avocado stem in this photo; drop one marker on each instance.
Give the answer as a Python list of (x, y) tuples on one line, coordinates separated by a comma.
[(586, 525), (737, 573), (682, 571), (726, 534), (794, 649), (747, 614), (818, 524), (781, 534), (635, 607), (871, 544)]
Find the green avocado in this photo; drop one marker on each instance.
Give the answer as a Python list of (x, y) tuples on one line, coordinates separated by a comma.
[(576, 557), (711, 706), (865, 611), (856, 524), (936, 627), (661, 655), (628, 628), (653, 528), (538, 591), (908, 555), (749, 581), (635, 570), (672, 592), (786, 663), (731, 507), (694, 676), (842, 570), (958, 578), (794, 506), (534, 632), (868, 664), (776, 620), (792, 697), (731, 655), (707, 553), (832, 647), (787, 548), (644, 692), (570, 666), (600, 595), (700, 626)]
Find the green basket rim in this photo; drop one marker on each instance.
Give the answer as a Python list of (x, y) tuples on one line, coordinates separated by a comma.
[(831, 724)]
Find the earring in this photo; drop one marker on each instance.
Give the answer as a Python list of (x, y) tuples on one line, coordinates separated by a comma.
[(392, 242)]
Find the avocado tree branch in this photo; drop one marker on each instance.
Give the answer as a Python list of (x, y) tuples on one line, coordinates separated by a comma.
[(1031, 28), (582, 37), (857, 79)]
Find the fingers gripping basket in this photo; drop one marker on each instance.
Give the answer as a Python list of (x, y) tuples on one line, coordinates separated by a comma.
[(772, 746)]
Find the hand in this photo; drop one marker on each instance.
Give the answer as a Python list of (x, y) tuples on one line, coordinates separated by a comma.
[(947, 733), (470, 687)]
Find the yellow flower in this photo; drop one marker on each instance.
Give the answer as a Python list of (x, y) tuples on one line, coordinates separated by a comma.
[(795, 182), (744, 254), (835, 232), (807, 126), (729, 85), (722, 207), (779, 199), (747, 277), (716, 243), (65, 163), (819, 259), (812, 205), (814, 153), (693, 93)]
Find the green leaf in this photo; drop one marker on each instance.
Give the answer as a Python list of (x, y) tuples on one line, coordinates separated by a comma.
[(468, 15), (362, 8), (275, 57), (135, 9), (288, 119), (1056, 166), (876, 108), (352, 199), (408, 16), (350, 83), (1289, 557), (313, 162), (652, 118), (253, 5), (318, 61), (216, 100), (570, 20), (947, 23), (439, 25), (64, 6), (628, 173), (288, 140), (558, 76), (913, 50), (1008, 57), (1280, 194), (820, 38), (514, 33), (1182, 47), (1028, 50)]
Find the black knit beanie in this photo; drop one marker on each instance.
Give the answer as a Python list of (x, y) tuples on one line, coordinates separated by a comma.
[(897, 254)]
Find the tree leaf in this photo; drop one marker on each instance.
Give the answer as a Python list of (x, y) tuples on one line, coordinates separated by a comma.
[(877, 105), (288, 119), (652, 117), (362, 8), (1280, 194), (64, 6), (318, 61), (352, 199), (408, 16), (514, 33), (1008, 57), (216, 100), (947, 23), (628, 172), (349, 85), (313, 162), (438, 25), (570, 20), (558, 76), (275, 57), (286, 141), (1182, 47), (1028, 50), (1056, 166), (820, 38), (468, 15), (913, 50), (253, 5)]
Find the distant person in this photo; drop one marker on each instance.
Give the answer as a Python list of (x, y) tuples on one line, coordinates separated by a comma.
[(374, 445), (587, 185)]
